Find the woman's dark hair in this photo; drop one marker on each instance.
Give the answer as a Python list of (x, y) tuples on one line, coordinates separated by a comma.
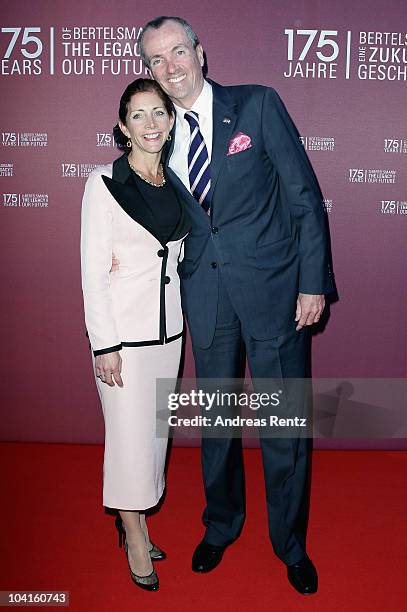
[(137, 86)]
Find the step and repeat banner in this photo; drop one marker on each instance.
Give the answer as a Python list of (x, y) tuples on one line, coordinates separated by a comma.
[(341, 69)]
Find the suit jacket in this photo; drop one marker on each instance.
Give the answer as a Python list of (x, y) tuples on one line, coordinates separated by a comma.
[(267, 232), (140, 303)]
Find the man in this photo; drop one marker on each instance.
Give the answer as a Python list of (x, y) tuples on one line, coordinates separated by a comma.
[(255, 271)]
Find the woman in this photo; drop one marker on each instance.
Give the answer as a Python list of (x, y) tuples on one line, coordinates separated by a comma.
[(133, 313)]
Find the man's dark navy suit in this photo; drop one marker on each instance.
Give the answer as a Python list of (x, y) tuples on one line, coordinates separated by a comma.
[(265, 241)]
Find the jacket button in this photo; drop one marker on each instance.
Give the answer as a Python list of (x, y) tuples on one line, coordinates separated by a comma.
[(214, 264), (215, 230), (167, 280), (160, 253)]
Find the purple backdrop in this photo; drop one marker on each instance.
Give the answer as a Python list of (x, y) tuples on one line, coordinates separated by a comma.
[(341, 70)]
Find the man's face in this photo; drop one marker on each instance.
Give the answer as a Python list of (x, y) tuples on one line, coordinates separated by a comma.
[(174, 63)]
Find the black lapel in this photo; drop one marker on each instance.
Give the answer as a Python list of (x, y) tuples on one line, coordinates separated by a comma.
[(224, 120), (169, 146), (123, 188), (121, 170)]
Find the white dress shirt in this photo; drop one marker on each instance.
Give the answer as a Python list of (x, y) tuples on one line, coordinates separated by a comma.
[(182, 140)]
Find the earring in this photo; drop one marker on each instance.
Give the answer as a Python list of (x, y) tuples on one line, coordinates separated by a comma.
[(169, 137), (129, 143)]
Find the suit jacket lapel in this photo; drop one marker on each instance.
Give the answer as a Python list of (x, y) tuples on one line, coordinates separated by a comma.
[(184, 224), (224, 120), (123, 188), (169, 146)]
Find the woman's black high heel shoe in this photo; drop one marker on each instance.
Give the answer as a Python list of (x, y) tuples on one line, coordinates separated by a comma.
[(156, 553), (148, 583)]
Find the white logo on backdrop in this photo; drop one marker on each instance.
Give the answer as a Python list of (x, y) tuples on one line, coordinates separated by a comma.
[(25, 200), (73, 50), (318, 143), (104, 139), (393, 207), (330, 54), (395, 145), (73, 170), (24, 139), (328, 204), (6, 169), (361, 175)]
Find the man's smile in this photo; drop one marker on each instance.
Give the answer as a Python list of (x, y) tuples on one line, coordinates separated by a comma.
[(177, 79)]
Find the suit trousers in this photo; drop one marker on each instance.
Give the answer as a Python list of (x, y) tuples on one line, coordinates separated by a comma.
[(285, 460)]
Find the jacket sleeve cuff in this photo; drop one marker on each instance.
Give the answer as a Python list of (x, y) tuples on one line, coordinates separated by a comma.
[(110, 349), (329, 287)]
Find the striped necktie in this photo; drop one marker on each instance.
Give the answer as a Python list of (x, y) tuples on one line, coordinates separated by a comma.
[(199, 169)]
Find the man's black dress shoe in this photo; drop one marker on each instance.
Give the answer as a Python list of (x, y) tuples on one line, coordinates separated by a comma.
[(303, 576), (206, 557)]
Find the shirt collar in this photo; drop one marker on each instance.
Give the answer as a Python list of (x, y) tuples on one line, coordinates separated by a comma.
[(202, 105)]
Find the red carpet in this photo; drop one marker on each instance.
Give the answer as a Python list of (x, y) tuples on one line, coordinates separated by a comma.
[(55, 535)]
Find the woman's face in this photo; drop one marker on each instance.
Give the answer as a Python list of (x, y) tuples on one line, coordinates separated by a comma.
[(147, 122)]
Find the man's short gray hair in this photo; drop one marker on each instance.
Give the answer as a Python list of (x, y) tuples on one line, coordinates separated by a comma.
[(157, 23)]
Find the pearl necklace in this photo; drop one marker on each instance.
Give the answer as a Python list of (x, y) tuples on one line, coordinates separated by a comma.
[(160, 171)]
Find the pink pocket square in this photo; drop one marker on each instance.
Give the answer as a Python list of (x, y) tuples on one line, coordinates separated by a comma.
[(240, 142)]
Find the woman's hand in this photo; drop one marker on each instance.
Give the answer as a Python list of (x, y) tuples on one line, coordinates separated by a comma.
[(108, 368)]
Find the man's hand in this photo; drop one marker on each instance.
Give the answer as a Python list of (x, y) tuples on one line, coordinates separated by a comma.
[(108, 368), (309, 309), (115, 263)]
